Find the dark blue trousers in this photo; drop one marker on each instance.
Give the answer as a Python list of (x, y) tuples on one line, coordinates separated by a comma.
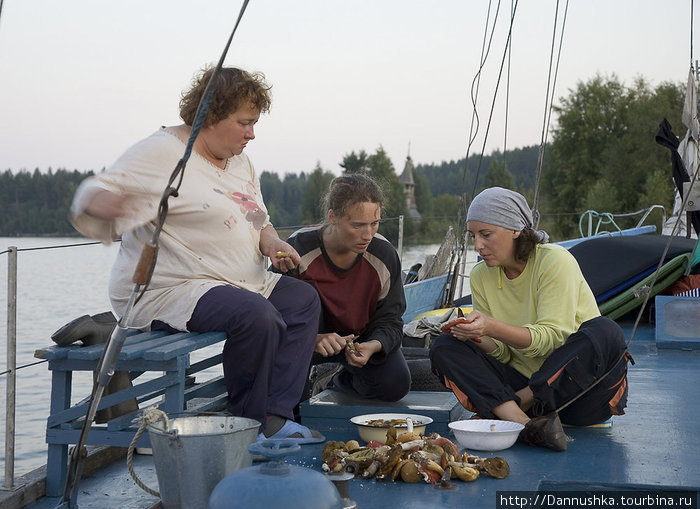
[(269, 345)]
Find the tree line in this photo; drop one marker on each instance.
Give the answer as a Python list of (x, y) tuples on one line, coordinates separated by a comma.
[(602, 156), (38, 203)]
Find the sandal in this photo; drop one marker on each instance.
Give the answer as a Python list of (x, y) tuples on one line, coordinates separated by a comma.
[(303, 434)]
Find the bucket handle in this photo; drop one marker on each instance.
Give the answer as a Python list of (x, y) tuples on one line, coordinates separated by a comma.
[(150, 416)]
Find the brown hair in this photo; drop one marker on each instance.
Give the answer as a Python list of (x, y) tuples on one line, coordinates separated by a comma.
[(232, 88), (525, 244), (347, 190)]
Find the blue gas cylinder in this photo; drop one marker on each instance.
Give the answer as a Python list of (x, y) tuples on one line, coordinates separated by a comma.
[(275, 484)]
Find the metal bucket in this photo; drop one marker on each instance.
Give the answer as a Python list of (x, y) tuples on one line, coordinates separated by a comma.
[(195, 453)]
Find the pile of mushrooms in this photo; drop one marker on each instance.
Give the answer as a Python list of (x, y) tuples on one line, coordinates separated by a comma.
[(410, 457)]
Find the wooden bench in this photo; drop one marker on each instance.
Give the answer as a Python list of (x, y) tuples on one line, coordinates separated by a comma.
[(171, 389)]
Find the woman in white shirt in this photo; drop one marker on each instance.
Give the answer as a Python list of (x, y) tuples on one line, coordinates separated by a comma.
[(211, 271)]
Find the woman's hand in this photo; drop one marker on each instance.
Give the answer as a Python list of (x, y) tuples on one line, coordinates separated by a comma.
[(107, 205), (363, 351), (483, 329), (470, 327), (283, 256), (330, 343)]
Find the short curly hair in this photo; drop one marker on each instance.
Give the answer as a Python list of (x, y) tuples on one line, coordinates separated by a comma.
[(232, 88)]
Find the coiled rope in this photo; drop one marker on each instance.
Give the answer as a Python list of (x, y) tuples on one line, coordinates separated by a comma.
[(604, 218), (150, 416)]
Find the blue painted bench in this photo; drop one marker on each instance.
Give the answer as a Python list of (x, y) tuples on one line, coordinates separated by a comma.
[(166, 356)]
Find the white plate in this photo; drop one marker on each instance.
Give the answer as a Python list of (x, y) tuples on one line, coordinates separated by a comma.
[(418, 420), (378, 433), (486, 434)]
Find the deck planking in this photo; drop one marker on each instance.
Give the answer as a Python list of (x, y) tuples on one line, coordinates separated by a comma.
[(655, 445)]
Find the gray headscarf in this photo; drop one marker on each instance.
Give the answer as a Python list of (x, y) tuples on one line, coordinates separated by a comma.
[(504, 208)]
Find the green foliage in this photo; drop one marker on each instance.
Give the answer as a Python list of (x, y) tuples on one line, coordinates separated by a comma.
[(283, 198), (452, 177), (432, 227), (37, 203), (355, 163), (379, 167), (424, 197), (603, 152), (602, 157), (498, 175), (316, 188)]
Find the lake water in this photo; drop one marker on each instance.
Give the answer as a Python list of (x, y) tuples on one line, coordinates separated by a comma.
[(55, 284)]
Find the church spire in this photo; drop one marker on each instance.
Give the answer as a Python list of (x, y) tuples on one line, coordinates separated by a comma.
[(406, 179)]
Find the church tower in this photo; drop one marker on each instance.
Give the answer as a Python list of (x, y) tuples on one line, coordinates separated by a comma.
[(409, 184)]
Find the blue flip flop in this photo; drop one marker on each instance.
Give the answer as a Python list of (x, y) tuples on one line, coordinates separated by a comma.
[(290, 427)]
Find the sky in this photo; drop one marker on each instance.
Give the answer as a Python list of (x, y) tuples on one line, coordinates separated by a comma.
[(82, 80)]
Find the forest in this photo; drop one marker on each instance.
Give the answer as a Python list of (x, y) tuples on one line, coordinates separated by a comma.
[(38, 203), (601, 156)]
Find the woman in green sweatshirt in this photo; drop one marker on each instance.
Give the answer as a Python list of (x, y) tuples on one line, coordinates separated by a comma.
[(535, 338)]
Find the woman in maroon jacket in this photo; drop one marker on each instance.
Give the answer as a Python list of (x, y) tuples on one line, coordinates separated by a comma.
[(357, 274)]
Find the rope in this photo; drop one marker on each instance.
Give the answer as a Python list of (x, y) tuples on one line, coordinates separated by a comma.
[(506, 52), (603, 218), (41, 248), (474, 127), (179, 171), (150, 416), (549, 104), (647, 295), (692, 5), (17, 368)]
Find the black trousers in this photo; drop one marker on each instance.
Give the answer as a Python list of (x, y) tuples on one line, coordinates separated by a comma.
[(388, 381), (481, 382)]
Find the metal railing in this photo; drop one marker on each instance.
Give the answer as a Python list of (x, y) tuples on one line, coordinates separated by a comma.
[(11, 369), (10, 403), (596, 219)]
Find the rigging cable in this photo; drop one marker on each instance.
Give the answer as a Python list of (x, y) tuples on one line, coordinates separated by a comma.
[(505, 121), (474, 126), (17, 368), (141, 279), (473, 130), (647, 295), (476, 82), (649, 289), (474, 95), (493, 102), (549, 103)]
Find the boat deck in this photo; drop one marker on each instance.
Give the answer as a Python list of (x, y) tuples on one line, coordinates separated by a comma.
[(655, 447)]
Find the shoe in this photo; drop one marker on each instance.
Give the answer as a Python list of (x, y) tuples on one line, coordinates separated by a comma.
[(342, 382), (95, 330), (321, 381), (545, 431), (91, 330)]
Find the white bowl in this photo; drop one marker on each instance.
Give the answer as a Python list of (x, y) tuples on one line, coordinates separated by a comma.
[(378, 433), (486, 434)]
